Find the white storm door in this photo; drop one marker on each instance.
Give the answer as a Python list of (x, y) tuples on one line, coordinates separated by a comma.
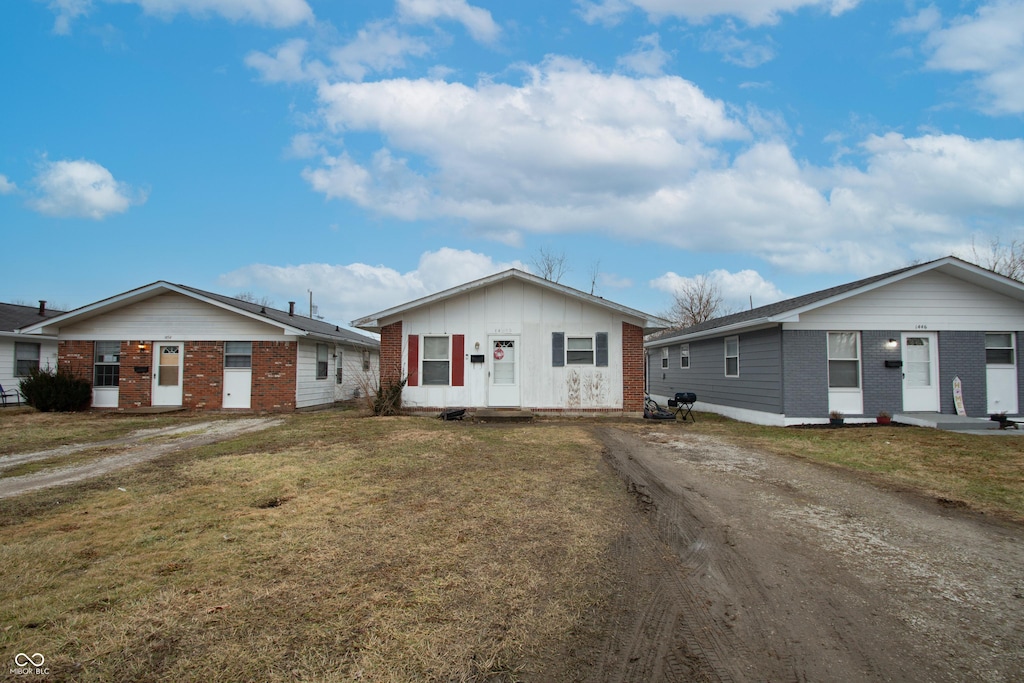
[(503, 373), (920, 372), (167, 373), (1001, 373)]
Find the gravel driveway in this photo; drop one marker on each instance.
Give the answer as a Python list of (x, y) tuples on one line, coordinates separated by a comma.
[(746, 566)]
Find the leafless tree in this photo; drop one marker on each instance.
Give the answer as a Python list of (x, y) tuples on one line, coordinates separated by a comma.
[(696, 301), (1005, 259), (549, 265), (253, 299)]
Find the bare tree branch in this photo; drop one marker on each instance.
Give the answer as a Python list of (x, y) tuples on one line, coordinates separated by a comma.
[(549, 265), (696, 301), (1005, 259), (253, 299)]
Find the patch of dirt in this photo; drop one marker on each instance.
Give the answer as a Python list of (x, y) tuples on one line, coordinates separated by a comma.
[(739, 565), (139, 446)]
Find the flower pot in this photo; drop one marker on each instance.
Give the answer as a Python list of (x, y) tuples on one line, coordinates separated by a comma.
[(884, 420), (836, 421)]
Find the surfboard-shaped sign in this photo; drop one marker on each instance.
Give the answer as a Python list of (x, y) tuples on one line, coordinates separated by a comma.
[(958, 397)]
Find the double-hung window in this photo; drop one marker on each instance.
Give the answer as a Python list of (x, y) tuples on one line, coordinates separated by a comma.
[(732, 356), (579, 351), (999, 348), (321, 361), (238, 354), (26, 358), (435, 361), (664, 358), (684, 356), (107, 363), (843, 360), (366, 360)]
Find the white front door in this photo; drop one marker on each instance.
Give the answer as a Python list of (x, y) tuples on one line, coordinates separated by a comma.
[(920, 372), (167, 373), (1001, 373), (503, 372)]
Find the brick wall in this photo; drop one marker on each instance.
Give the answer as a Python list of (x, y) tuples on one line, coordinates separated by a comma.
[(203, 383), (135, 389), (274, 375), (391, 353), (632, 368), (76, 358)]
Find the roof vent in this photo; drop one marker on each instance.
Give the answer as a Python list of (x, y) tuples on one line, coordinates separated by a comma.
[(42, 307), (263, 310), (291, 308)]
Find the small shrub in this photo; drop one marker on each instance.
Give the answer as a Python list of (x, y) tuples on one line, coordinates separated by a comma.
[(387, 400), (48, 391)]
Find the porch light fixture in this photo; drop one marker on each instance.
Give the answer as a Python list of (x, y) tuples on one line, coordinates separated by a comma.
[(142, 347), (891, 344)]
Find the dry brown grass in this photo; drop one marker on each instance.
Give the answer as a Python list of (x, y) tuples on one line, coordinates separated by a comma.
[(331, 548)]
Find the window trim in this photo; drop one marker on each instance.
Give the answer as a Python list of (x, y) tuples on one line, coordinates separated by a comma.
[(664, 357), (238, 355), (592, 350), (684, 352), (447, 360), (1012, 348), (18, 360), (322, 365), (115, 375), (736, 339), (841, 359)]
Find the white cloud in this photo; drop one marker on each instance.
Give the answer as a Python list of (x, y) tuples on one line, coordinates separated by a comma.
[(377, 48), (346, 292), (477, 21), (571, 150), (753, 12), (6, 186), (82, 189), (648, 59), (989, 43), (738, 289), (274, 13), (736, 50)]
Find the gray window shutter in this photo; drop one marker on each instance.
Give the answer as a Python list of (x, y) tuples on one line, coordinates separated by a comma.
[(557, 349), (601, 349)]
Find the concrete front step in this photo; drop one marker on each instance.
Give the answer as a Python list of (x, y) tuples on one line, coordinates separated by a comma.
[(502, 415), (947, 422)]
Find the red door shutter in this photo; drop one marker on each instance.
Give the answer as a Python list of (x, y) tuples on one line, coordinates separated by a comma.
[(414, 360), (458, 360)]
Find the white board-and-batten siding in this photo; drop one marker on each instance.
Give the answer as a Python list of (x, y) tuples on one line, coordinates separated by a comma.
[(47, 357), (175, 317), (529, 314), (929, 301)]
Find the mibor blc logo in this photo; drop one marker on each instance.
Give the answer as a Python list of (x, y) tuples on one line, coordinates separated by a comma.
[(29, 664)]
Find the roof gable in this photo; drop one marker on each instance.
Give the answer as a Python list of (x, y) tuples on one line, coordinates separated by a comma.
[(289, 324), (791, 309), (375, 321)]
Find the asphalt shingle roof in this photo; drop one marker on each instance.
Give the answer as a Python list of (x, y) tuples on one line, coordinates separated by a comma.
[(16, 316)]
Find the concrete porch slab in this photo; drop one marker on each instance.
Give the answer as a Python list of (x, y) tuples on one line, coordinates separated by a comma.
[(954, 423)]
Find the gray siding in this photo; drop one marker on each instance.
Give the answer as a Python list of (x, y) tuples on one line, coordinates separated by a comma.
[(962, 354), (1020, 375), (758, 386), (805, 370)]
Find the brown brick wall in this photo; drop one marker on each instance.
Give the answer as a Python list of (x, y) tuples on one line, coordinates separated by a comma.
[(135, 389), (274, 367), (391, 353), (76, 358), (203, 383), (632, 368)]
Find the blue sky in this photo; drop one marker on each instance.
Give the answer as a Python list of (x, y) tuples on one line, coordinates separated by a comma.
[(375, 152)]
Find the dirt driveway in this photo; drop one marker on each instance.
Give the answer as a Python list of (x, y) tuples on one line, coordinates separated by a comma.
[(745, 566), (139, 446)]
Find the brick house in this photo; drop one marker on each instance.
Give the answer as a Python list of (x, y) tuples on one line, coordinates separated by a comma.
[(171, 345), (515, 340), (893, 342)]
